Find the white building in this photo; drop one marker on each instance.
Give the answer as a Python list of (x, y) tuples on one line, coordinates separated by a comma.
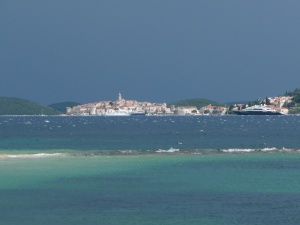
[(186, 110), (101, 107)]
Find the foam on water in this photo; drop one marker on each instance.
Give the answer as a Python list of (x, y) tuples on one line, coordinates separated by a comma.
[(237, 150), (37, 155), (171, 151)]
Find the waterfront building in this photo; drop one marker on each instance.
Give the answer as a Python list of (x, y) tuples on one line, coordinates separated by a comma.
[(210, 109), (279, 101), (102, 107), (186, 110)]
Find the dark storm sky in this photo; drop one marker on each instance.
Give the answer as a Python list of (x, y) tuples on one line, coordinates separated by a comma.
[(158, 50)]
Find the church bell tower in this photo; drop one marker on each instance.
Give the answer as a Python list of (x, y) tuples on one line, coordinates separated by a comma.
[(120, 97)]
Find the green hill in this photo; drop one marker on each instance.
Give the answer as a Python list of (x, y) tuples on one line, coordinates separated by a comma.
[(17, 106), (296, 97), (61, 106), (198, 102)]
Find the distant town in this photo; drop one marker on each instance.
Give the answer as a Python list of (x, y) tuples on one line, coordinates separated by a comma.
[(123, 107)]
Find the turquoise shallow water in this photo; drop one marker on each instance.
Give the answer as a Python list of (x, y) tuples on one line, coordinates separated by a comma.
[(255, 188)]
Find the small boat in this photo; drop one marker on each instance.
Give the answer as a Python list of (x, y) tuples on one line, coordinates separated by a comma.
[(138, 113), (258, 110), (117, 113)]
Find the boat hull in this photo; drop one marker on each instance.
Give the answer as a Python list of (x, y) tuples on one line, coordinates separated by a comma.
[(257, 113), (138, 114), (116, 114)]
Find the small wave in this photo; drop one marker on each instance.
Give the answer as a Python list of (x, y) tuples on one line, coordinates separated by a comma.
[(238, 150), (269, 149), (37, 155), (171, 150)]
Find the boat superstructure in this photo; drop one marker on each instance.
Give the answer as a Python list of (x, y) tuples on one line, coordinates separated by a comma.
[(117, 113), (259, 110)]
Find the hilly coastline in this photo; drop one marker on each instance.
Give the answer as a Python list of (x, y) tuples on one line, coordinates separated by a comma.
[(61, 106), (17, 106)]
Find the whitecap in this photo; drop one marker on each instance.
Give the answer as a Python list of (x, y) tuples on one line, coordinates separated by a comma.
[(128, 152), (268, 149), (238, 150), (171, 150), (37, 155), (289, 150)]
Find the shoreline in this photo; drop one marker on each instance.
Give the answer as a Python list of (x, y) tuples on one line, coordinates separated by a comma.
[(14, 154)]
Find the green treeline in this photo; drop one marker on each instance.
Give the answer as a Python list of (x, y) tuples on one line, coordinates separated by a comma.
[(294, 106), (17, 106), (296, 97), (198, 102), (61, 107)]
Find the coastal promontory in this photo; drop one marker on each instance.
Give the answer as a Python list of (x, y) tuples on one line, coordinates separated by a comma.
[(17, 106)]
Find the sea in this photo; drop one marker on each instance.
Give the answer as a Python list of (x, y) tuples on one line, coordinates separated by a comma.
[(148, 170)]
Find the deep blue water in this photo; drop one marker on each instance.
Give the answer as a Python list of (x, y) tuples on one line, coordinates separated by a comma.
[(149, 133)]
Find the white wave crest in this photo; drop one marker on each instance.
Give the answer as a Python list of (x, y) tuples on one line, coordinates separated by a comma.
[(237, 150), (37, 155), (171, 150), (268, 149), (241, 150)]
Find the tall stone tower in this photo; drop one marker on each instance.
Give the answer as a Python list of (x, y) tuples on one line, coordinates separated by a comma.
[(120, 97)]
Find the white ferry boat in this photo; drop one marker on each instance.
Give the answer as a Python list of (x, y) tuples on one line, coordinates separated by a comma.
[(137, 113), (258, 110), (117, 113)]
